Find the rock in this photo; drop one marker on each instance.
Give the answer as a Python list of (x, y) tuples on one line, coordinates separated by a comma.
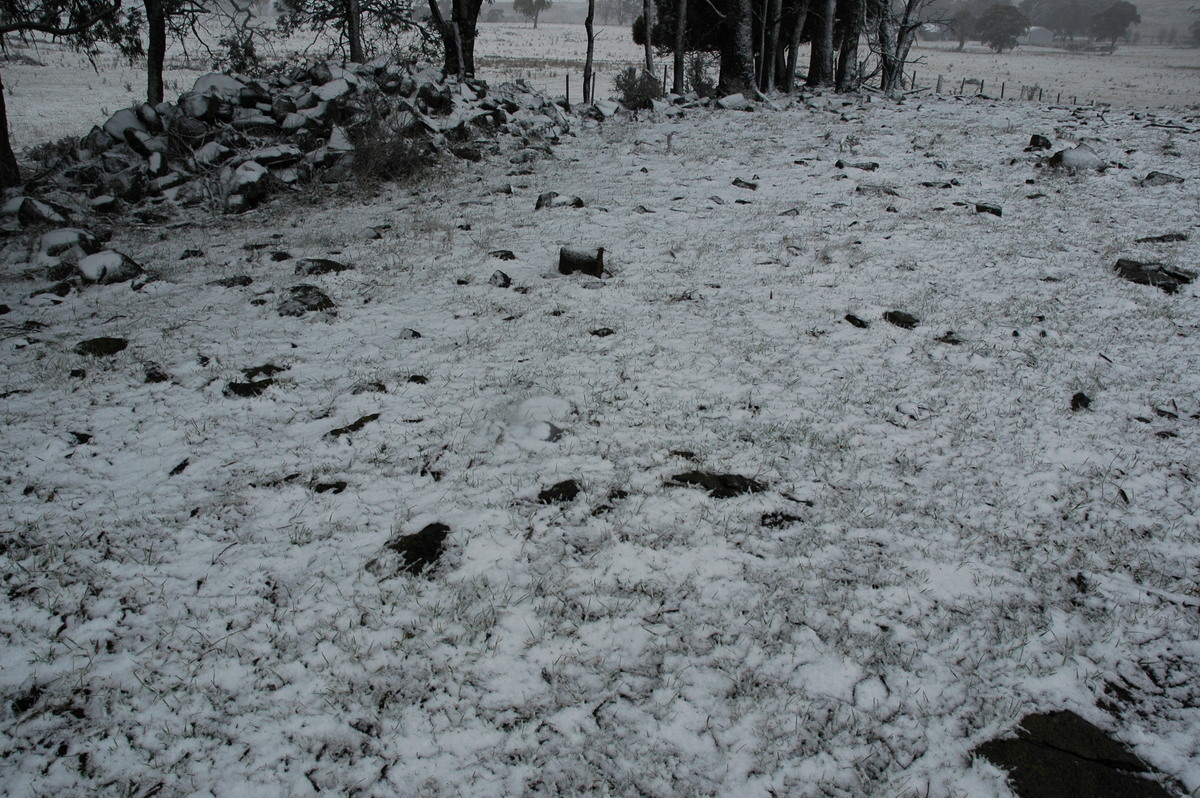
[(247, 390), (560, 493), (411, 553), (123, 121), (237, 281), (746, 184), (250, 181), (29, 211), (354, 427), (316, 266), (1038, 142), (1160, 179), (1076, 159), (735, 102), (866, 166), (502, 254), (278, 155), (1165, 238), (1061, 755), (719, 486), (67, 243), (1159, 275), (101, 347), (876, 191), (585, 261), (339, 87), (603, 332), (1080, 401), (986, 207), (605, 108), (857, 322), (219, 85), (108, 267), (500, 280), (210, 154), (552, 199), (901, 319), (303, 299)]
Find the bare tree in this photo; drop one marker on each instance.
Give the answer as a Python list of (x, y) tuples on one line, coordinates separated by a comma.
[(893, 27)]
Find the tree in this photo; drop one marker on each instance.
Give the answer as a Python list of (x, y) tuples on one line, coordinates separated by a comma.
[(893, 27), (458, 35), (346, 18), (1000, 26), (1113, 22), (531, 9), (83, 24)]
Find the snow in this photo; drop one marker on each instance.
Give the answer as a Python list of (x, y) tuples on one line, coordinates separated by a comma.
[(185, 609)]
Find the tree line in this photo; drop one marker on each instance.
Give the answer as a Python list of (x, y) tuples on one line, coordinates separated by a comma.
[(757, 43)]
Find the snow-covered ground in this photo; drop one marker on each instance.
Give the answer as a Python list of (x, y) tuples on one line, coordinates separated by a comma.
[(942, 545)]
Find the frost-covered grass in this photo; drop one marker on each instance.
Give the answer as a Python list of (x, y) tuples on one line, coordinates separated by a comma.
[(948, 546)]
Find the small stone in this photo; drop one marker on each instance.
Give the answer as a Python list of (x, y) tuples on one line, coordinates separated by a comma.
[(101, 347), (1080, 401), (603, 332), (985, 207), (317, 266), (411, 553), (303, 299), (1166, 238), (855, 321), (354, 427), (248, 390), (1161, 179), (866, 166), (500, 280), (901, 319), (1038, 142), (719, 486), (560, 493), (746, 184), (108, 267), (585, 261), (502, 254)]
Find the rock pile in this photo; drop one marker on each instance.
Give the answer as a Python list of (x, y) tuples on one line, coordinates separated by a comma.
[(233, 139)]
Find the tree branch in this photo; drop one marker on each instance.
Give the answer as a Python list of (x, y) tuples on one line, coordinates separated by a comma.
[(59, 32)]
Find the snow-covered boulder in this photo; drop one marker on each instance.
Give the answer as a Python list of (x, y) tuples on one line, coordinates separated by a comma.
[(1077, 159), (107, 267)]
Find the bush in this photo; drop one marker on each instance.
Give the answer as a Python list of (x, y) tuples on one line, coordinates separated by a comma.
[(697, 75), (637, 90), (386, 148)]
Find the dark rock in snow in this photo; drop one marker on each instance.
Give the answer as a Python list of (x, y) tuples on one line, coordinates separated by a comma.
[(303, 299), (552, 199), (603, 332), (1159, 275), (560, 493), (502, 254), (986, 207), (746, 184), (418, 379), (866, 166), (1061, 755), (857, 322), (1038, 142), (101, 347), (901, 319), (411, 553), (329, 487), (1080, 401), (248, 390), (500, 280), (265, 370), (154, 374), (876, 191), (778, 520), (1166, 238), (236, 281), (312, 267), (1161, 179), (354, 427), (719, 486), (585, 261)]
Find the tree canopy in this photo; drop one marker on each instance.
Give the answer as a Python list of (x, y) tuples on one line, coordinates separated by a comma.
[(1000, 26), (531, 9), (1113, 22)]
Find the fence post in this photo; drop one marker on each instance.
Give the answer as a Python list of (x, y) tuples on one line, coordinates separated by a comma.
[(1059, 100), (568, 76), (981, 86), (939, 86), (962, 86), (1039, 95), (1002, 85)]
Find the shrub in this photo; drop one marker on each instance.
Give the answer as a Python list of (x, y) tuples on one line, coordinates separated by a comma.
[(637, 89)]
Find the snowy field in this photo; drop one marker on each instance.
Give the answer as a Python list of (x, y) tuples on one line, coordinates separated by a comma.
[(198, 594)]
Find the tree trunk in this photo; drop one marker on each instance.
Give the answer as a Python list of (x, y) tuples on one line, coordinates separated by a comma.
[(820, 63), (591, 50), (451, 61), (354, 31), (680, 48), (465, 22), (847, 65), (771, 45), (156, 49), (648, 16), (793, 59), (10, 175), (737, 51)]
